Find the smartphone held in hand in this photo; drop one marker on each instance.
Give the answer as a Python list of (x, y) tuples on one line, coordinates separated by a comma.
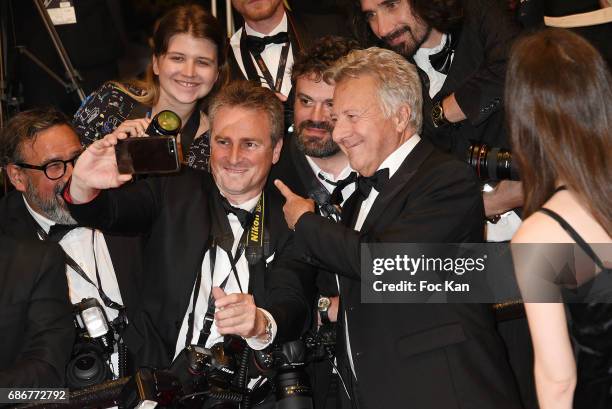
[(154, 154)]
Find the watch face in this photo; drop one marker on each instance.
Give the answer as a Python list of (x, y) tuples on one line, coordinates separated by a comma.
[(436, 111), (324, 303)]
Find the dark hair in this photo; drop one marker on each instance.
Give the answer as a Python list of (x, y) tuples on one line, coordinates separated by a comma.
[(246, 94), (558, 92), (25, 126), (191, 19), (321, 56), (443, 15)]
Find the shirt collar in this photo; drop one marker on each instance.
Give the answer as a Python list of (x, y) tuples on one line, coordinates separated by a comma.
[(395, 160), (421, 57), (282, 26), (316, 169), (249, 205)]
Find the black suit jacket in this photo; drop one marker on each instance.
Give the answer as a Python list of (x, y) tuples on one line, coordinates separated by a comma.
[(125, 251), (35, 314), (427, 356), (476, 77), (295, 172), (173, 213)]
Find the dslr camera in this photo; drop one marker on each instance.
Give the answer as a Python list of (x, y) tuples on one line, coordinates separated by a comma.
[(94, 344)]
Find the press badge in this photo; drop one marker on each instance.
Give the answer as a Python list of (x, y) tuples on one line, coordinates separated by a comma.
[(61, 11)]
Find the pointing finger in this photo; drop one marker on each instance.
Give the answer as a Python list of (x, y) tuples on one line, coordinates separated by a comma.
[(285, 191)]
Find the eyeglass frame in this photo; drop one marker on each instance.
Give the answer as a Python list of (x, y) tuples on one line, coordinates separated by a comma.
[(46, 165)]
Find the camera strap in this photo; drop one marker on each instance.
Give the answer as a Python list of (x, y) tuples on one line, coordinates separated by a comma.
[(251, 241), (77, 268), (250, 68)]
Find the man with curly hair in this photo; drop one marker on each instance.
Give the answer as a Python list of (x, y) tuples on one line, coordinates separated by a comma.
[(313, 165)]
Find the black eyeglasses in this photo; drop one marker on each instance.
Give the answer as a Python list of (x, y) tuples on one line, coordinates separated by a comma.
[(54, 169)]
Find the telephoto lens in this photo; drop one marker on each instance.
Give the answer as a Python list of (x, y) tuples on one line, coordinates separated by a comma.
[(165, 123), (492, 163)]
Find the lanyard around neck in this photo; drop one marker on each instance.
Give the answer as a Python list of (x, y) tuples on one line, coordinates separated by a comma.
[(77, 269), (252, 75)]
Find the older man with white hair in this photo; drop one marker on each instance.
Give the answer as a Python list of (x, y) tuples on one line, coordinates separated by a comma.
[(424, 356)]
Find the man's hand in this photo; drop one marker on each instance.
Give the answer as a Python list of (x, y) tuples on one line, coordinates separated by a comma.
[(96, 169), (507, 195), (452, 110), (237, 314), (295, 206)]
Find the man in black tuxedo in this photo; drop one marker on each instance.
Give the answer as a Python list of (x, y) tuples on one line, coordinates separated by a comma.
[(264, 48), (461, 50), (428, 356), (39, 148), (213, 241), (313, 165), (35, 315)]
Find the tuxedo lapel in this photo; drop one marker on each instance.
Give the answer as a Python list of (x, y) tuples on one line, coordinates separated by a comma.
[(17, 222), (234, 68), (397, 182), (454, 73)]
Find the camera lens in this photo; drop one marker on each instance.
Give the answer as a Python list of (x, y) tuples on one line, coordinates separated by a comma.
[(165, 123), (169, 121), (86, 369), (491, 163), (293, 390)]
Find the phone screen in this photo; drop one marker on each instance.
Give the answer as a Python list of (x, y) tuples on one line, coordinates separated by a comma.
[(155, 154)]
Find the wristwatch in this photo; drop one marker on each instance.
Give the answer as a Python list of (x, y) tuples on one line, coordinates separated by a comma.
[(268, 331), (437, 115), (323, 306)]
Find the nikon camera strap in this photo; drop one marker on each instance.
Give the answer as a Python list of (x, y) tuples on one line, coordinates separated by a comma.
[(251, 241)]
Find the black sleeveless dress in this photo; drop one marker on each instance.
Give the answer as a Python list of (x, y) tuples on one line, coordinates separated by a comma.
[(591, 329)]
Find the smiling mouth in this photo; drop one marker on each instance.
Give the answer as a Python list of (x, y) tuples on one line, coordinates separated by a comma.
[(233, 170), (317, 131), (187, 84)]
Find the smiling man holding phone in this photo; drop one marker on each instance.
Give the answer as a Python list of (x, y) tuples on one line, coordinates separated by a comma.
[(216, 244)]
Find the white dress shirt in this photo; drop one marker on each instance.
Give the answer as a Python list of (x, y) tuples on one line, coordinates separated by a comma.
[(421, 59), (393, 163), (346, 192), (271, 55), (78, 244), (222, 268)]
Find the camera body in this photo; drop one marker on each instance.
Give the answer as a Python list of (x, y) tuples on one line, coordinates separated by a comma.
[(94, 344), (285, 365)]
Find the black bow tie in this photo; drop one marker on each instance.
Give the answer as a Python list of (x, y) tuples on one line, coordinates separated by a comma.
[(441, 61), (336, 196), (376, 181), (58, 231), (258, 44), (244, 216)]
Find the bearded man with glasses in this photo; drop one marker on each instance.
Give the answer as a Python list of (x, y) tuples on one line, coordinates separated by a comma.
[(38, 150)]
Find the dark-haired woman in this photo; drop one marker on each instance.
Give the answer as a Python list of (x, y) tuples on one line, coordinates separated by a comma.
[(187, 66), (558, 94)]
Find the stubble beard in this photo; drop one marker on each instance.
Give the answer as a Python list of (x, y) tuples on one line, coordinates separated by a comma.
[(315, 147)]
